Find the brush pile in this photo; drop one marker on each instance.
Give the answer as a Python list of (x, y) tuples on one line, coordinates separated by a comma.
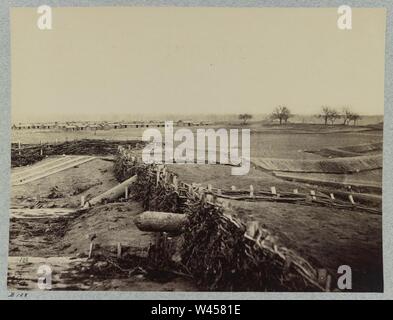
[(29, 154), (219, 251)]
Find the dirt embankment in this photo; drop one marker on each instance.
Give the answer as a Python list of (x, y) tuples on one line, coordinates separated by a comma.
[(64, 243), (349, 151), (65, 188), (337, 165), (326, 236)]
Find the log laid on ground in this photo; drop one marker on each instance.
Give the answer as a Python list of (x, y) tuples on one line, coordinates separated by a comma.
[(154, 221), (41, 213), (112, 194)]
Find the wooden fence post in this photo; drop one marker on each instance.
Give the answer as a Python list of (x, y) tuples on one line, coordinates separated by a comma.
[(91, 249), (126, 193), (175, 183), (118, 250), (251, 191), (328, 282), (157, 176)]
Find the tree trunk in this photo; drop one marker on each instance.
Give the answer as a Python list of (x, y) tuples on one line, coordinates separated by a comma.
[(154, 221)]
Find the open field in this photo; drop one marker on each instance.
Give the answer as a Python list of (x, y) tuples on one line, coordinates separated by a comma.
[(287, 142)]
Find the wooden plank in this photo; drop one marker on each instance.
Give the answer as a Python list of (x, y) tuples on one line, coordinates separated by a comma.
[(26, 213), (33, 172), (56, 171), (38, 165)]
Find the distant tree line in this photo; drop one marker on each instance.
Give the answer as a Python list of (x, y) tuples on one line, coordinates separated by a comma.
[(328, 115)]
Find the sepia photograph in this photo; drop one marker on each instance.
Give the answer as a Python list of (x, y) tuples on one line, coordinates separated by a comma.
[(196, 149)]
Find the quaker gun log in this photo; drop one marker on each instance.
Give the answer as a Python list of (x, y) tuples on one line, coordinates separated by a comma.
[(155, 221), (112, 194)]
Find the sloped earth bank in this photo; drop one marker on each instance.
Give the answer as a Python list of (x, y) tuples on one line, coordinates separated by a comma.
[(64, 241), (336, 165), (328, 237), (65, 188), (349, 151)]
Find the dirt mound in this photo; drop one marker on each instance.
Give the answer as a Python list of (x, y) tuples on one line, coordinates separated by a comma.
[(337, 165), (349, 151), (65, 188), (64, 243), (109, 224), (364, 148)]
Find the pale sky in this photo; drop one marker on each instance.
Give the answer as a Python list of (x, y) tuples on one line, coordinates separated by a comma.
[(196, 60)]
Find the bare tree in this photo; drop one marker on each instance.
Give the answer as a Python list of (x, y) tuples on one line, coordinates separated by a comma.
[(354, 117), (281, 113), (346, 115), (333, 116), (245, 117), (324, 114), (328, 114)]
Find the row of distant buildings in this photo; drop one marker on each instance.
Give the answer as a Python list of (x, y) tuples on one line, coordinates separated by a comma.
[(81, 126)]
